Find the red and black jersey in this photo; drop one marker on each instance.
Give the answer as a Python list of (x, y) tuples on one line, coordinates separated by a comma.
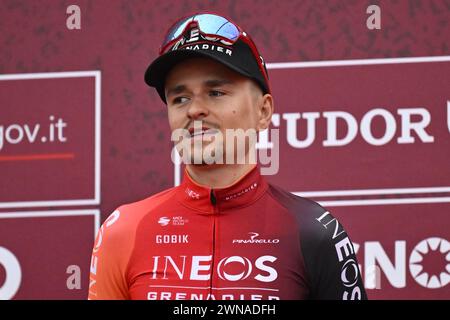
[(249, 241)]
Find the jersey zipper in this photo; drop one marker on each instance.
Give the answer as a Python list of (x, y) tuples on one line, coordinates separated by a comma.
[(213, 200)]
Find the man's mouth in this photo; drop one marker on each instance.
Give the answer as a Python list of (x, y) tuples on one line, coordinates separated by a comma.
[(200, 132)]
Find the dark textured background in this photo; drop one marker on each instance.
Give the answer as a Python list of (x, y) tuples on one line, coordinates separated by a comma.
[(120, 38)]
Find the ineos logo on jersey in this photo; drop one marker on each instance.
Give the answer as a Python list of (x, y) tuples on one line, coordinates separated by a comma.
[(236, 277), (349, 273), (199, 268), (172, 238), (113, 217), (345, 252), (431, 281), (98, 240), (253, 236)]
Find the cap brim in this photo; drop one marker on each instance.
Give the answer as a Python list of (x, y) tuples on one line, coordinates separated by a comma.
[(156, 73)]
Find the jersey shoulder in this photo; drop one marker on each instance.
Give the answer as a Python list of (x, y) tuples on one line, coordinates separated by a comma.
[(114, 245), (315, 223), (131, 214), (305, 211), (327, 251)]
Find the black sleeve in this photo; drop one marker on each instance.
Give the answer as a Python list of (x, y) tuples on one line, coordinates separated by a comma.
[(330, 259), (331, 266)]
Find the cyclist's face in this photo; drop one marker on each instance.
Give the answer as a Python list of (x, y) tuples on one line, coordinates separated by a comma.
[(202, 89)]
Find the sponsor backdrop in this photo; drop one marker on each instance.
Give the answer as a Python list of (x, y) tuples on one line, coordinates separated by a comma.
[(363, 118)]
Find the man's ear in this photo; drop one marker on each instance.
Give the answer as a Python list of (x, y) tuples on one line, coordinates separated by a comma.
[(265, 105)]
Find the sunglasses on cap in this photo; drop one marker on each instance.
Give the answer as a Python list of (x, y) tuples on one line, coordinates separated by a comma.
[(213, 27)]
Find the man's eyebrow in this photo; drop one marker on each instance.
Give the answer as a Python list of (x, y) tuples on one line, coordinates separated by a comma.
[(176, 89), (208, 83), (217, 82)]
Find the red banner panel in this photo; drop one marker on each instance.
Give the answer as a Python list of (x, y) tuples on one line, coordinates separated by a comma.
[(363, 127), (50, 261), (403, 250), (363, 120), (49, 139)]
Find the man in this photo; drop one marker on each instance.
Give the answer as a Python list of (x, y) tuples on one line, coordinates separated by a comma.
[(224, 233)]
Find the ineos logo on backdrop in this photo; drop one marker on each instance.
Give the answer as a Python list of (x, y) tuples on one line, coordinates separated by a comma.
[(420, 260)]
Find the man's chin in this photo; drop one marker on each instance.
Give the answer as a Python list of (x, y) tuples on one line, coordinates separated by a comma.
[(203, 162)]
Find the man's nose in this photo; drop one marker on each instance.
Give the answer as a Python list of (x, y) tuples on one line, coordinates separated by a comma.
[(197, 109)]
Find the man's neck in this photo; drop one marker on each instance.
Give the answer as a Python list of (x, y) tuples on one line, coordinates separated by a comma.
[(218, 176)]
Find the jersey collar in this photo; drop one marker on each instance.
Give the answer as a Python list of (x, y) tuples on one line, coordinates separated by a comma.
[(206, 200)]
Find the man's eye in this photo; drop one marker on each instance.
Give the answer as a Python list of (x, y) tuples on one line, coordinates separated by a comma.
[(215, 93), (179, 100)]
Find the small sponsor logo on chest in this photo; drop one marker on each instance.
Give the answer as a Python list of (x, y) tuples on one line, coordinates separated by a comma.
[(172, 238), (254, 238)]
